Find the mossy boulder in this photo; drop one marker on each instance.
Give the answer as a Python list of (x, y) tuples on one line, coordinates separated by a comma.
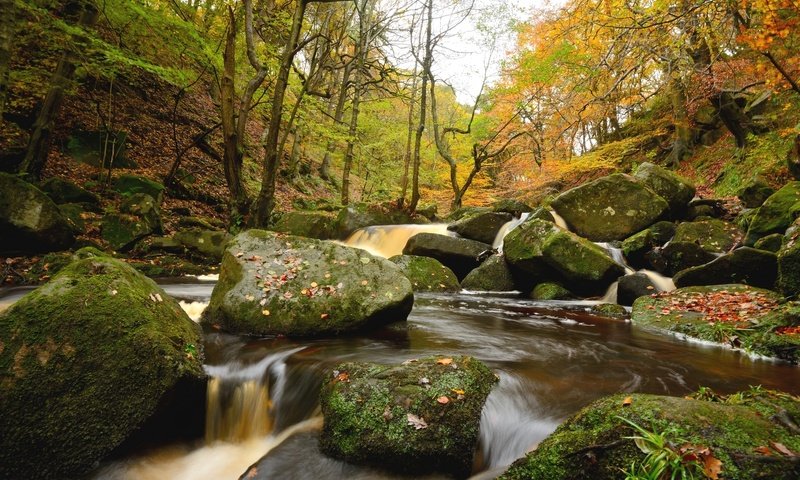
[(677, 191), (755, 192), (122, 230), (361, 215), (550, 291), (771, 243), (715, 236), (419, 417), (311, 224), (789, 268), (426, 274), (609, 208), (276, 284), (736, 315), (630, 287), (542, 214), (537, 246), (63, 191), (509, 205), (462, 212), (636, 247), (677, 256), (482, 227), (493, 275), (458, 254), (746, 265), (776, 214), (30, 221), (75, 214), (145, 207), (207, 243), (610, 310), (596, 443), (94, 355), (128, 185)]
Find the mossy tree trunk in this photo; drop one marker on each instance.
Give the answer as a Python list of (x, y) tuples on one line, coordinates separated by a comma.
[(85, 16), (6, 32)]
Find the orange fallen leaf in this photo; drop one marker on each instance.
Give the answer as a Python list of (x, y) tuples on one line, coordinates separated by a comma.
[(444, 361), (764, 450), (712, 466), (457, 391), (627, 401), (343, 377), (324, 316), (443, 400), (782, 448)]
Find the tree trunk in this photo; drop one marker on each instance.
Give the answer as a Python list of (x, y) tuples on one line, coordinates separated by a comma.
[(733, 117), (423, 105), (231, 157), (6, 32), (682, 143), (39, 144), (266, 197), (407, 158)]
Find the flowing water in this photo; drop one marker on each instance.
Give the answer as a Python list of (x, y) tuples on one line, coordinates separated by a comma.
[(552, 358), (389, 240)]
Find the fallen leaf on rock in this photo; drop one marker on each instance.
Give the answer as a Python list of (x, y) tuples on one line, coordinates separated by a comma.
[(417, 422), (443, 400), (457, 391), (764, 450), (782, 448), (324, 316), (364, 282), (314, 285), (627, 401), (343, 377), (265, 312), (444, 361)]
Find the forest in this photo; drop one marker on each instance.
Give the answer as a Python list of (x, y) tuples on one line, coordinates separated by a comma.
[(388, 239)]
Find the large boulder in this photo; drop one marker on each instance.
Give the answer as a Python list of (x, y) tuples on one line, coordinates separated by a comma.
[(677, 191), (789, 267), (361, 215), (139, 217), (742, 435), (636, 247), (426, 274), (630, 287), (30, 221), (96, 354), (771, 243), (493, 275), (715, 236), (746, 265), (145, 207), (311, 224), (736, 315), (509, 205), (754, 193), (275, 284), (418, 417), (776, 214), (458, 254), (550, 291), (128, 185), (609, 208), (482, 227), (63, 191), (677, 256), (208, 243), (539, 247)]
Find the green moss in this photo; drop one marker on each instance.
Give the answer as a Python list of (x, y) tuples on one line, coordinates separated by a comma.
[(716, 236), (426, 274), (550, 291)]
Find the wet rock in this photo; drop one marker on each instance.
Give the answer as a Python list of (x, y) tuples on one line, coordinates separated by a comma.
[(749, 266), (596, 442), (361, 215), (542, 214), (611, 310), (538, 246), (130, 184), (677, 191), (208, 243), (426, 274), (493, 275), (458, 254), (736, 315), (633, 286), (94, 355), (713, 235), (755, 193), (275, 284), (636, 247), (320, 225), (550, 291), (514, 207), (776, 214), (770, 243), (30, 221), (62, 191), (462, 212), (609, 208), (482, 227), (677, 256), (419, 417)]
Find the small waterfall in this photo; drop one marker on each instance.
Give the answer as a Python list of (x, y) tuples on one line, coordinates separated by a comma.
[(560, 220), (239, 404), (506, 229), (389, 240), (662, 283), (616, 255)]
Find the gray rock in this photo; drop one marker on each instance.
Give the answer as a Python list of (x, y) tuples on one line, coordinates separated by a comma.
[(458, 254), (677, 191), (482, 227), (749, 266), (493, 275), (633, 286)]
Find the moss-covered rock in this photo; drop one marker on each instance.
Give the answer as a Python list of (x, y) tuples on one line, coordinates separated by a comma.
[(595, 443), (542, 214), (462, 212), (537, 246), (771, 243), (677, 256), (208, 243), (776, 214), (206, 223), (482, 227), (735, 315), (145, 207), (493, 275), (789, 268), (550, 291), (276, 284), (426, 274), (677, 191), (75, 214), (746, 265), (30, 221), (630, 287), (458, 254), (122, 230), (636, 247), (611, 310), (311, 224), (509, 205), (86, 360), (63, 191), (609, 208), (418, 417), (130, 184), (715, 236), (755, 192)]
